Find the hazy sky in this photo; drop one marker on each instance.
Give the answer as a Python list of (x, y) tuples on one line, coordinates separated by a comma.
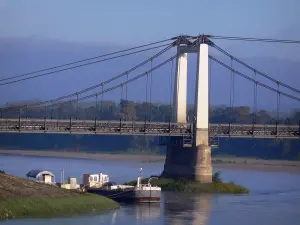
[(133, 21)]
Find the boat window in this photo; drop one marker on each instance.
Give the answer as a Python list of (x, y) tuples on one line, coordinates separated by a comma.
[(91, 178), (95, 178)]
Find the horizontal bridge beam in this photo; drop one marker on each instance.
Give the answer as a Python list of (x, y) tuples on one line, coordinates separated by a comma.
[(52, 126)]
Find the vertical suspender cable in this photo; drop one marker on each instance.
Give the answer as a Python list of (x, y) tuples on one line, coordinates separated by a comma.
[(231, 89), (146, 96), (45, 112), (51, 113), (150, 97), (254, 98), (209, 99), (209, 87), (278, 107), (127, 116), (101, 105), (278, 102), (126, 87), (171, 90), (121, 101), (77, 105), (233, 92), (96, 108)]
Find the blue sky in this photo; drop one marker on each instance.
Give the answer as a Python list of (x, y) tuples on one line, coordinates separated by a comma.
[(138, 21)]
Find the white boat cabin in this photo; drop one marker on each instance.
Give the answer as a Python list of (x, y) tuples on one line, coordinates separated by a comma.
[(95, 180)]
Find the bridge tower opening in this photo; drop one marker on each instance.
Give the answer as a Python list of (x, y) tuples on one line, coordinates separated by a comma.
[(194, 161)]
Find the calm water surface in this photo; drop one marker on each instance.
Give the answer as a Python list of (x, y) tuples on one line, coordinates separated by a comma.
[(274, 198)]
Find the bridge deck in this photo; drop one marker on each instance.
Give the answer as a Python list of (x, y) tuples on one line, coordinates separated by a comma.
[(23, 125)]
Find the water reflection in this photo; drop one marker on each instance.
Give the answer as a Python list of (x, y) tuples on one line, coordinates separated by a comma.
[(147, 211), (182, 208)]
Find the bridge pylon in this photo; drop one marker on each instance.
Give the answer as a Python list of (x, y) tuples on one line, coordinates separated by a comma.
[(192, 162)]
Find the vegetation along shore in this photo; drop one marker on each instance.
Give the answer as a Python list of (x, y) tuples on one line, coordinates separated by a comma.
[(183, 185)]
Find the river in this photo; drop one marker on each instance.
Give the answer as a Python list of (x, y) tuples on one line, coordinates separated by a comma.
[(274, 198)]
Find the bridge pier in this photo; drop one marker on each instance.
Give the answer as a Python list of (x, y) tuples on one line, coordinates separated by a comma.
[(193, 162)]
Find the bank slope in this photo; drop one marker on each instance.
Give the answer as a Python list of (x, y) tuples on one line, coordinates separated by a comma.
[(22, 198)]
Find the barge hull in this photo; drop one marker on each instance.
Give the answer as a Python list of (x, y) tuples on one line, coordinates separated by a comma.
[(141, 196)]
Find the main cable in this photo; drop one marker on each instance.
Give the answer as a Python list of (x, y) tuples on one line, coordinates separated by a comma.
[(253, 80), (83, 60), (124, 83), (272, 40), (89, 63), (100, 84), (254, 70), (118, 85)]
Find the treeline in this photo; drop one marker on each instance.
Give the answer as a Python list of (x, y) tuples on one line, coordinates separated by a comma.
[(127, 110)]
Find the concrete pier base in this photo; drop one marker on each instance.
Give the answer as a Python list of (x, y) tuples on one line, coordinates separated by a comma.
[(193, 163)]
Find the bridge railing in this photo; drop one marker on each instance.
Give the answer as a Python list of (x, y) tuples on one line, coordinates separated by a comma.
[(146, 128), (96, 126)]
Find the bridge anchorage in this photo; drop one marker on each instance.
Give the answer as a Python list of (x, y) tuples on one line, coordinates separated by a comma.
[(189, 143)]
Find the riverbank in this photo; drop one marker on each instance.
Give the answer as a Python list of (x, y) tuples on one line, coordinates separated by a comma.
[(23, 198), (218, 162)]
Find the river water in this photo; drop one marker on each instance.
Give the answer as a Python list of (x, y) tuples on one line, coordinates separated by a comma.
[(274, 198)]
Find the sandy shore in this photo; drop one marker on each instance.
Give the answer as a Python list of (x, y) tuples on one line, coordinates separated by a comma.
[(218, 162)]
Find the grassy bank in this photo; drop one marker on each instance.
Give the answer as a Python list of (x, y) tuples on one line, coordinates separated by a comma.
[(183, 185), (22, 198), (53, 207)]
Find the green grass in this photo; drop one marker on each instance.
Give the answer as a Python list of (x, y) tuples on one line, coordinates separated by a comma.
[(182, 185), (39, 207)]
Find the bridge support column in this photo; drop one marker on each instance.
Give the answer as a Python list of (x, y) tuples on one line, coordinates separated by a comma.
[(194, 162), (180, 89)]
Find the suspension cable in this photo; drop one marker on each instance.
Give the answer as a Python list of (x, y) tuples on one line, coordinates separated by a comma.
[(278, 103), (102, 95), (102, 83), (254, 99), (251, 79), (209, 86), (127, 87), (150, 97), (119, 85), (126, 82), (84, 60), (171, 90), (251, 68), (146, 116), (121, 103), (230, 98), (96, 107), (77, 104)]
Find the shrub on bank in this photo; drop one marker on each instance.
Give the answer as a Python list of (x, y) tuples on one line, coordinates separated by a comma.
[(184, 185)]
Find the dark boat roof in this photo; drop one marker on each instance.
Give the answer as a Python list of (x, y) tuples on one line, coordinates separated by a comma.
[(37, 173), (110, 183)]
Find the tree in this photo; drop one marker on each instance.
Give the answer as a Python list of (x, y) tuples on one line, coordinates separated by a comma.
[(217, 177)]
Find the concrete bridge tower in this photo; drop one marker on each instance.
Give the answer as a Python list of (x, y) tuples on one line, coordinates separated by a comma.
[(194, 161)]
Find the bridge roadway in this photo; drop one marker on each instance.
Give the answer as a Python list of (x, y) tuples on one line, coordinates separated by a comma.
[(31, 125)]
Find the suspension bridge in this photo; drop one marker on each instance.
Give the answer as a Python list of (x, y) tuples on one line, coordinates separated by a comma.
[(190, 140)]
